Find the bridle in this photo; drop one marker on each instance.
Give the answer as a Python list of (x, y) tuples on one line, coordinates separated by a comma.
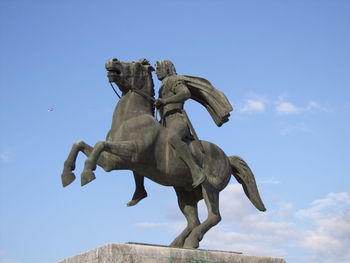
[(146, 96), (114, 90)]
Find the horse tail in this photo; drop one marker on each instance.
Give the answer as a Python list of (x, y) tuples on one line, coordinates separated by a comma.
[(245, 177)]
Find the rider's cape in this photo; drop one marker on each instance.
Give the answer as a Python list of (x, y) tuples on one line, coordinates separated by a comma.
[(211, 98)]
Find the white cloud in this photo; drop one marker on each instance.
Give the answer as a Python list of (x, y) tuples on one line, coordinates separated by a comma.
[(270, 181), (275, 232), (313, 105), (288, 108), (286, 210), (248, 243), (233, 199), (291, 128), (5, 157), (258, 103), (5, 259), (330, 239), (150, 224), (285, 107), (9, 261), (319, 233), (332, 203), (146, 224), (178, 226), (246, 229), (253, 105)]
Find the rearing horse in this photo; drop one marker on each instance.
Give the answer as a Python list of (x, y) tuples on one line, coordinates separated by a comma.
[(137, 142)]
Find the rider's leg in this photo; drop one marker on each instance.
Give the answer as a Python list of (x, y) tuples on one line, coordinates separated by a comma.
[(183, 150), (140, 191)]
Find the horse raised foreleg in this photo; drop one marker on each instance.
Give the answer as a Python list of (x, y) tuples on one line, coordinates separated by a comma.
[(123, 149), (211, 198), (69, 165), (188, 205)]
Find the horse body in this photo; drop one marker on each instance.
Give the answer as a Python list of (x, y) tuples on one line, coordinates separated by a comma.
[(137, 142)]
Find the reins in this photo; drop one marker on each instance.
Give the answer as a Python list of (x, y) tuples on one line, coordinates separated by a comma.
[(114, 89), (146, 96)]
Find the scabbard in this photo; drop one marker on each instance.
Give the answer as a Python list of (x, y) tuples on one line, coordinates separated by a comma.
[(193, 130)]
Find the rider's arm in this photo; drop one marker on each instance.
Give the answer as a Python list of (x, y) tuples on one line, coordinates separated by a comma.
[(181, 94)]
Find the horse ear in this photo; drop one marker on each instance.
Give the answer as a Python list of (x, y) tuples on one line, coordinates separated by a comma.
[(144, 61)]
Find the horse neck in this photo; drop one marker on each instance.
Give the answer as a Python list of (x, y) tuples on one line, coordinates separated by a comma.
[(132, 104)]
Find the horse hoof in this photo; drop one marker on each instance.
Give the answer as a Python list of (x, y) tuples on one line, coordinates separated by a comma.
[(177, 243), (87, 177), (190, 243), (67, 178)]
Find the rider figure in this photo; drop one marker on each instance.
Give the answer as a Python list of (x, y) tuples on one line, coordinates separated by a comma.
[(172, 96)]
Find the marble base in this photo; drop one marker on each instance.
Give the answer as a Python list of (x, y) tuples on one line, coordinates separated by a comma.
[(143, 253)]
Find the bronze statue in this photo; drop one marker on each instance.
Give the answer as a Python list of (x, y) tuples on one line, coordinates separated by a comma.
[(172, 95), (137, 142)]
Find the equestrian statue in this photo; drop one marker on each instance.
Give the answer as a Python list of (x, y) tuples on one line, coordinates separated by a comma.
[(167, 151)]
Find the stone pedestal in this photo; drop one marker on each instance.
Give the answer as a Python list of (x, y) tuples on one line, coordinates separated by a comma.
[(142, 253)]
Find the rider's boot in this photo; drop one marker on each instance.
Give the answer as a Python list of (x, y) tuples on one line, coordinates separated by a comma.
[(198, 175), (140, 191)]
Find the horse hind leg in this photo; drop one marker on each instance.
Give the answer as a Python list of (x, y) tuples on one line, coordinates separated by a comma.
[(188, 204), (211, 198)]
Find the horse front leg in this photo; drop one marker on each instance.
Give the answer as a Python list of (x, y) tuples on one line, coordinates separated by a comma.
[(69, 165), (124, 149)]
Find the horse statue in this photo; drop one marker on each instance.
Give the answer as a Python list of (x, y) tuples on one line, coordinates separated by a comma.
[(138, 142)]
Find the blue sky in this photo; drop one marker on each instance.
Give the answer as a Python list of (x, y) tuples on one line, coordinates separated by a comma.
[(285, 67)]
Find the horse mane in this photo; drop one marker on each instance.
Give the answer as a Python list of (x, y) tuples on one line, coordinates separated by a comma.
[(150, 87), (150, 84)]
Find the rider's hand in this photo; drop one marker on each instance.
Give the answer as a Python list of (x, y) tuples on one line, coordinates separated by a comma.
[(158, 103)]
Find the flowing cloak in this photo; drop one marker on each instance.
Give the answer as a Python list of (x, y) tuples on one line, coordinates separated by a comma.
[(211, 98)]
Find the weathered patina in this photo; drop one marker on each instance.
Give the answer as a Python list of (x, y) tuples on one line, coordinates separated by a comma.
[(138, 142)]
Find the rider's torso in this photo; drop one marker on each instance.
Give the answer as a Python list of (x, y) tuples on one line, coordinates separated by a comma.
[(166, 91)]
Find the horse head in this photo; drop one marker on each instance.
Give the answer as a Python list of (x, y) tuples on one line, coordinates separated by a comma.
[(130, 75)]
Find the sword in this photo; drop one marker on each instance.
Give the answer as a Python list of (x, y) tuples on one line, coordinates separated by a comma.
[(193, 131)]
